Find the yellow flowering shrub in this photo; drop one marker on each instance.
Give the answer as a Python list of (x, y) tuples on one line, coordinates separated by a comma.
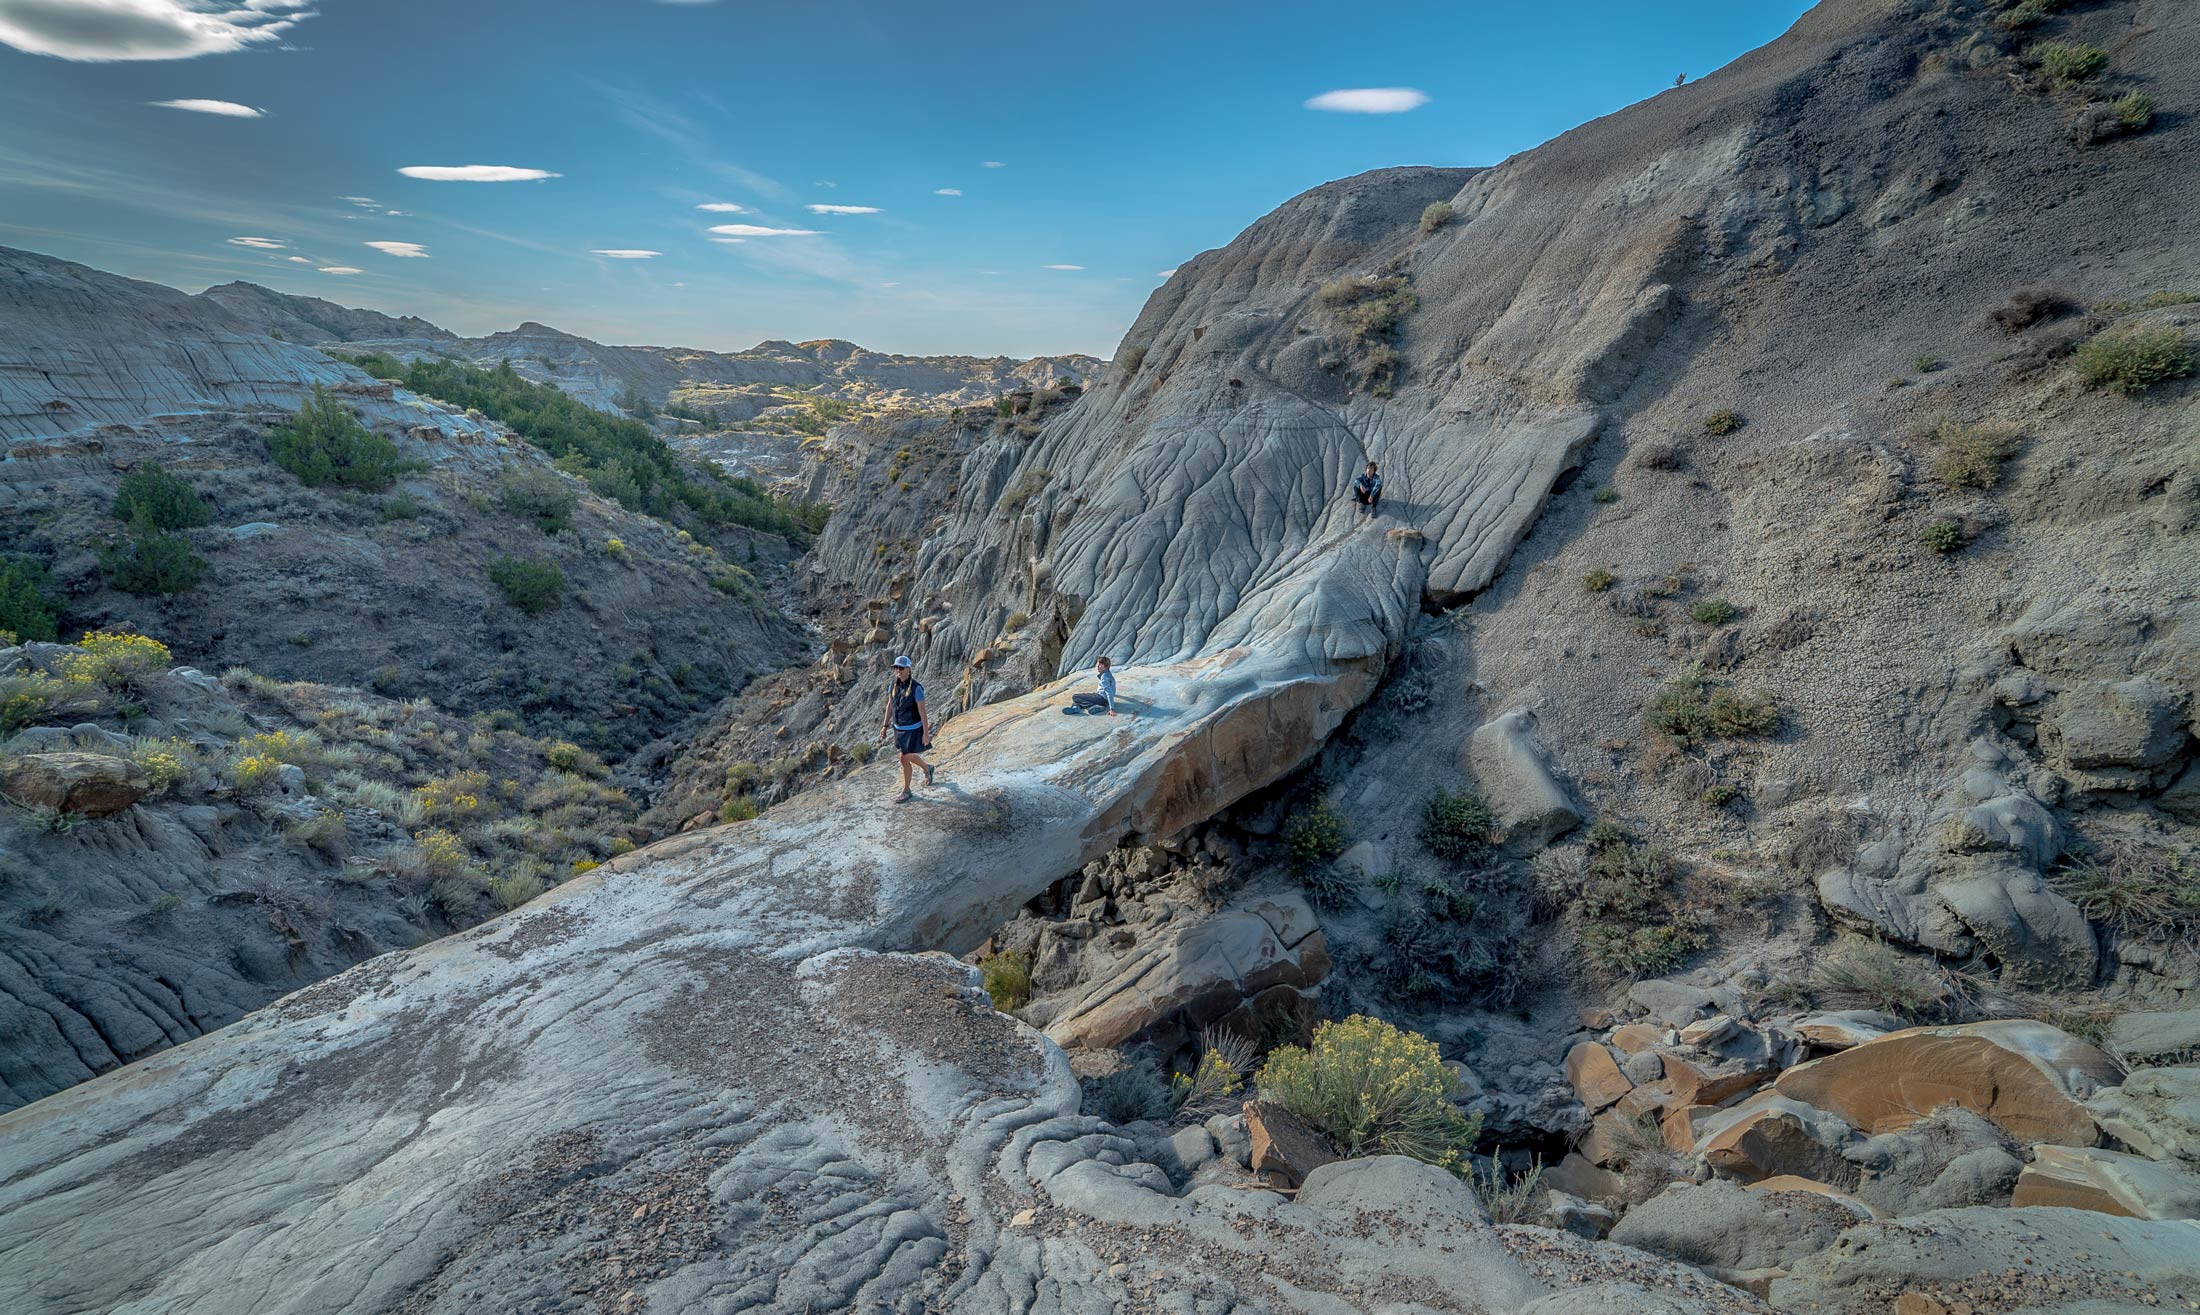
[(585, 865), (621, 845), (564, 755), (614, 547), (443, 853), (113, 657), (299, 748), (253, 771), (1372, 1089), (27, 700), (455, 796), (165, 761)]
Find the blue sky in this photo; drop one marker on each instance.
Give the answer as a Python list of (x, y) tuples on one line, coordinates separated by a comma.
[(1123, 138)]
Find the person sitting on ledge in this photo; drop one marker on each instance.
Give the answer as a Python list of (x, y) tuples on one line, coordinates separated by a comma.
[(1104, 670)]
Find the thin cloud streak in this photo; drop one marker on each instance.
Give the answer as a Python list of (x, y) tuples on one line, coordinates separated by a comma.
[(475, 173), (1369, 100), (226, 108)]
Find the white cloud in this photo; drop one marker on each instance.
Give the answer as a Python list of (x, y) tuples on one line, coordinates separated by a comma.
[(475, 173), (1369, 100), (299, 260), (100, 31), (947, 191), (1062, 266), (1164, 274), (341, 269), (723, 208), (366, 201), (759, 230), (399, 213), (405, 250), (627, 253), (228, 108), (843, 209), (995, 164), (729, 241), (256, 243)]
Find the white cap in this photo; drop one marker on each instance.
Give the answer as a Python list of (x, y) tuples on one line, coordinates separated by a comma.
[(903, 661)]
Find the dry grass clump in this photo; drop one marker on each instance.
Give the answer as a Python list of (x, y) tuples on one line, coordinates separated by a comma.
[(1871, 974), (1693, 707), (2029, 306), (1969, 456), (2145, 890), (1368, 309), (2134, 358)]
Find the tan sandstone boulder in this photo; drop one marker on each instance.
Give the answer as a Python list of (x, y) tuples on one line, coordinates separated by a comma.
[(2029, 1078), (93, 784), (2110, 1182), (1595, 1076)]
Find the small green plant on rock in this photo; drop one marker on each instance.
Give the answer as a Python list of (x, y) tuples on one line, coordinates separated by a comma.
[(1315, 834), (531, 584), (2067, 64), (1969, 456), (1621, 901), (1368, 309), (1713, 612), (1694, 707), (1722, 422), (1943, 536), (1132, 1094), (2025, 14), (1434, 216), (1606, 495), (1372, 1089), (1455, 827), (1007, 978), (2132, 359), (1597, 581)]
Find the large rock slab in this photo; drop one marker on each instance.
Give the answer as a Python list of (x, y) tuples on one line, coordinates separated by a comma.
[(1517, 779), (2156, 1112), (2155, 1035), (93, 784), (2089, 1178), (1720, 1225), (2029, 1078)]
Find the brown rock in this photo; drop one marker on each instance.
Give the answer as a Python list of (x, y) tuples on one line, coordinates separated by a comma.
[(1846, 1029), (1770, 1134), (1637, 1037), (1595, 1076), (2107, 1182), (1917, 1303), (1576, 1176), (1282, 1144), (1650, 1098), (1680, 1123), (2025, 1076), (1596, 1019), (1788, 1182), (1696, 1082), (92, 784)]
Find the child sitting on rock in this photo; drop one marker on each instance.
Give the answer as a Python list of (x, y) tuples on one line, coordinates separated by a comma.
[(1104, 669)]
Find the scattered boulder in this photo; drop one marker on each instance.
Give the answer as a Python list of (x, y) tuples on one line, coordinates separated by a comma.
[(1990, 1260), (1595, 1076), (1696, 1079), (2153, 1035), (2115, 736), (2156, 1112), (2029, 1078), (1232, 1141), (1770, 1134), (1519, 784), (2111, 1182), (2182, 799), (1576, 1175), (91, 784), (1719, 1225), (1674, 1003), (1843, 1029), (1281, 1145), (1569, 1213)]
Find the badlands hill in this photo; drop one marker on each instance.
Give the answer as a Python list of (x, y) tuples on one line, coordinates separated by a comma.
[(1754, 742)]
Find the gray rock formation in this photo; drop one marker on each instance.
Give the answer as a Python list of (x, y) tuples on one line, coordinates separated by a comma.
[(2156, 1111)]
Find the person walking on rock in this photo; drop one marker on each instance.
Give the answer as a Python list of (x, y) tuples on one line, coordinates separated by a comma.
[(907, 723), (1367, 490), (1104, 671)]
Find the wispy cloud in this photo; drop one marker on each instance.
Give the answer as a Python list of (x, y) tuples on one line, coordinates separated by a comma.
[(1062, 266), (626, 253), (760, 230), (1369, 100), (475, 173), (1164, 274), (105, 31), (226, 108), (653, 116), (341, 269), (729, 241), (257, 243), (994, 164), (723, 208), (403, 250), (947, 191), (367, 201), (299, 260), (843, 209)]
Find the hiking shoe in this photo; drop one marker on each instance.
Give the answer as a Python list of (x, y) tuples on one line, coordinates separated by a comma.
[(928, 773), (904, 797)]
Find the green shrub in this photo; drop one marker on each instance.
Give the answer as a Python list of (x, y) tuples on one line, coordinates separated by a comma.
[(1874, 975), (1930, 364), (1606, 495), (152, 562), (516, 889), (1455, 827), (1007, 978), (1693, 707), (1712, 612), (2134, 111), (1597, 581), (401, 507), (531, 584), (27, 610), (1970, 456), (1315, 834), (1372, 1089), (1622, 904), (2027, 13), (1510, 1198), (2133, 359), (1023, 489), (741, 808), (539, 496), (2067, 63), (325, 447), (1722, 422), (1131, 359), (1132, 1093), (324, 833), (166, 501), (620, 458), (1329, 886), (1434, 215), (1943, 536)]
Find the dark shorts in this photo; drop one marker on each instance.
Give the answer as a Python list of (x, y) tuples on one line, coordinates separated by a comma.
[(909, 741)]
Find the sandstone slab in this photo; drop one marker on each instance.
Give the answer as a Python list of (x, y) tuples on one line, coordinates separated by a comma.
[(2028, 1077), (91, 784), (2110, 1182), (1595, 1076)]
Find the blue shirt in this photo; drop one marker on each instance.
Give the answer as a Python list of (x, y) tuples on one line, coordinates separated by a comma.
[(1107, 688)]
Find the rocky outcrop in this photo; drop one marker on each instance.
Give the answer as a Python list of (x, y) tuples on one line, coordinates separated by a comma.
[(2089, 1178), (1517, 780), (2029, 1078), (88, 784), (2155, 1111)]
